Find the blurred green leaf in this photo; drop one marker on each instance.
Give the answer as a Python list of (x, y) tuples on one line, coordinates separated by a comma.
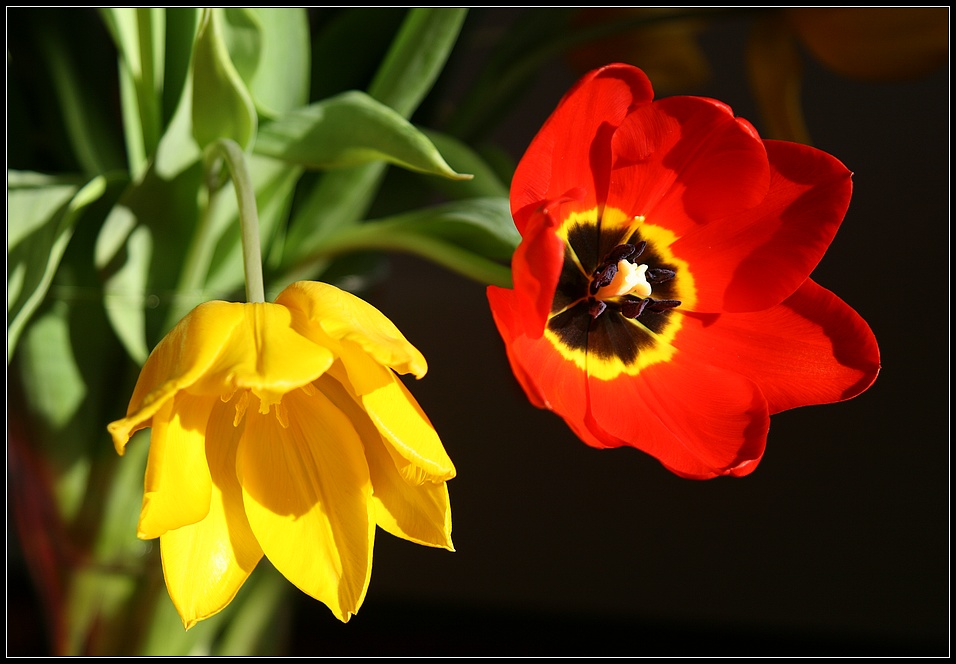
[(87, 120), (281, 81), (221, 104), (41, 212), (347, 130), (125, 295), (140, 37), (182, 24), (141, 253), (417, 57), (242, 35)]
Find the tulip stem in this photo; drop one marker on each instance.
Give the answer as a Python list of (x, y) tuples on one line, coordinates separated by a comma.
[(248, 218)]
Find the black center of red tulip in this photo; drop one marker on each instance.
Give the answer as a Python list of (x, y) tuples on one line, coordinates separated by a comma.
[(587, 318)]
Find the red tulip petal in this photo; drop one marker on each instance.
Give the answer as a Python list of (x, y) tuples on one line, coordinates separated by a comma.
[(755, 259), (685, 161), (505, 309), (570, 156), (699, 421), (811, 349), (536, 266)]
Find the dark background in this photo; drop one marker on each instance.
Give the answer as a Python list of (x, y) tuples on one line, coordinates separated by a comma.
[(838, 544)]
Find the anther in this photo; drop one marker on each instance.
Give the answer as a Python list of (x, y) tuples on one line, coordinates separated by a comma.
[(632, 308), (656, 275), (604, 275), (658, 306), (596, 308), (625, 252)]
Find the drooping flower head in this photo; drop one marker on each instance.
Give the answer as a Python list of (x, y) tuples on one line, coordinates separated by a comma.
[(662, 297), (281, 429)]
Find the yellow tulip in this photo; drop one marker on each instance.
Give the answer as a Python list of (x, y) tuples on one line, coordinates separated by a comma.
[(281, 429)]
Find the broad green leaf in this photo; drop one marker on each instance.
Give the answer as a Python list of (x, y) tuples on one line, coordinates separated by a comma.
[(125, 291), (178, 150), (242, 36), (282, 78), (347, 130), (221, 104), (53, 386), (143, 251), (41, 213), (472, 237), (342, 197), (486, 181)]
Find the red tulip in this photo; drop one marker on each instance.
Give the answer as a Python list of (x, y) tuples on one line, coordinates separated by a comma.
[(662, 297)]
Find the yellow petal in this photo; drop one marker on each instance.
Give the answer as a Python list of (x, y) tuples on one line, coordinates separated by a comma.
[(397, 415), (178, 486), (263, 353), (206, 563), (217, 348), (418, 511), (344, 316), (307, 492), (178, 361)]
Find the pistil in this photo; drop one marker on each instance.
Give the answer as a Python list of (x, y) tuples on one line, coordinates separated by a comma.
[(626, 285)]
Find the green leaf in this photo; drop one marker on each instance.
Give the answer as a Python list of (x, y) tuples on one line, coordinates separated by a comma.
[(347, 130), (343, 196), (182, 23), (417, 57), (140, 36), (141, 251), (242, 36), (125, 289), (78, 96), (282, 78), (42, 212), (472, 237), (221, 105), (486, 181)]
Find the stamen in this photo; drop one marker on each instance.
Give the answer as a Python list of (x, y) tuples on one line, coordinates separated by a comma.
[(282, 415), (241, 406), (624, 285), (632, 308), (657, 275), (596, 308), (603, 277), (658, 306), (625, 251)]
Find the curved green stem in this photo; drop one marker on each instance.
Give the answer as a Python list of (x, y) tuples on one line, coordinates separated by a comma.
[(248, 217)]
